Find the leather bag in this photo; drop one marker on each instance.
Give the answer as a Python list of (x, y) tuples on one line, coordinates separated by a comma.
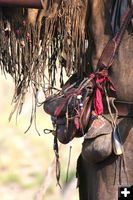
[(70, 109), (97, 145)]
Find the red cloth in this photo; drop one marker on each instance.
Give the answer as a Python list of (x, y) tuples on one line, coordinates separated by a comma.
[(101, 79)]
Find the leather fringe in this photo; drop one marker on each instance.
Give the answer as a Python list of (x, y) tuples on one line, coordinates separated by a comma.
[(33, 42)]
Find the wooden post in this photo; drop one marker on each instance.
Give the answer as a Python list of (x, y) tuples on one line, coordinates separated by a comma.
[(21, 3)]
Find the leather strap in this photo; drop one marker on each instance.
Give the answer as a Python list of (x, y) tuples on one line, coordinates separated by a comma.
[(117, 10), (111, 48)]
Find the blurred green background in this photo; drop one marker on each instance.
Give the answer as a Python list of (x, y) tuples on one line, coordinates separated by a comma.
[(27, 168)]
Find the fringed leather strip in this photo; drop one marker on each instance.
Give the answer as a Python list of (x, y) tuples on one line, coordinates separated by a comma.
[(34, 42)]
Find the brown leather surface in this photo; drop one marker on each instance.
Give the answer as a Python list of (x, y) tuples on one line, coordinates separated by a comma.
[(105, 177), (21, 3), (125, 109)]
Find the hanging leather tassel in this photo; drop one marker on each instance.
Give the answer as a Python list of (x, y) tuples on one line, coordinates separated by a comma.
[(56, 150)]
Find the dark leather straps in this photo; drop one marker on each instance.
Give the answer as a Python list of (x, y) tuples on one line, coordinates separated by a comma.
[(111, 48), (118, 8)]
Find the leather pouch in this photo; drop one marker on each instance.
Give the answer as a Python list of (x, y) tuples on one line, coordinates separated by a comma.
[(97, 145), (70, 109)]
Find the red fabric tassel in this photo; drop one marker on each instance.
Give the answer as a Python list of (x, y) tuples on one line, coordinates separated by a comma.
[(100, 79), (98, 104)]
